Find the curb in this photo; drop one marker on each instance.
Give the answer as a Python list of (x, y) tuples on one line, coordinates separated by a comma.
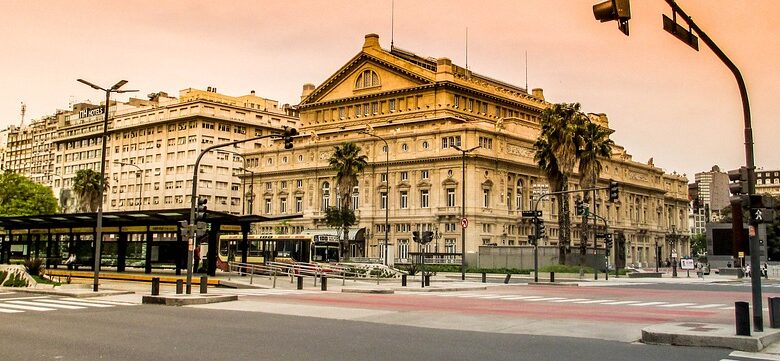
[(368, 290), (75, 294), (185, 300), (707, 335)]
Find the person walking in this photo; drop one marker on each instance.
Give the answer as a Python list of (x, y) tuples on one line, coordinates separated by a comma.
[(197, 258)]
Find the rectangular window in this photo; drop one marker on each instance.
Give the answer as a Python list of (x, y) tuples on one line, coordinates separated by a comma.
[(268, 206), (383, 178), (404, 200), (486, 198), (403, 248), (471, 105), (456, 102), (299, 183), (383, 200), (424, 174), (424, 198), (374, 108), (298, 204), (342, 112), (451, 197), (283, 205), (391, 105), (404, 176), (357, 110)]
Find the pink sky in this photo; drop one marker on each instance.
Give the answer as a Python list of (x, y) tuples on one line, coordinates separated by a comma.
[(664, 100)]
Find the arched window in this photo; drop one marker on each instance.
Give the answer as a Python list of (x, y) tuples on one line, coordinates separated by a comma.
[(519, 194), (367, 79), (325, 195)]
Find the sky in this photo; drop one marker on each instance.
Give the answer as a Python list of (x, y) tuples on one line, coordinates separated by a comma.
[(663, 99)]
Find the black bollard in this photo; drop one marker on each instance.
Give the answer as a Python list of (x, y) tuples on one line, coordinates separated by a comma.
[(204, 284), (742, 316), (403, 280), (774, 312), (427, 280), (552, 276), (324, 283), (508, 276), (179, 287), (484, 277), (300, 282), (155, 286)]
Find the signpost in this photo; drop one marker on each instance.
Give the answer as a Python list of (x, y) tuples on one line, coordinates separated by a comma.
[(464, 222)]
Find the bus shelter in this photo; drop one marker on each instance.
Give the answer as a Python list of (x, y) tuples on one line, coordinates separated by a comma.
[(138, 239)]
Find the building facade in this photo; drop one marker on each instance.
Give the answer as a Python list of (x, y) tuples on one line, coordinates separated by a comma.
[(152, 148), (424, 109), (711, 198), (768, 182)]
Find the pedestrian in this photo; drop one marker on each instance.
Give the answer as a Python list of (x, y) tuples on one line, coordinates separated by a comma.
[(197, 258)]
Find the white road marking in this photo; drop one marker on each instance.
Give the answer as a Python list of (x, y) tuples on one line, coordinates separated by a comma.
[(522, 297), (649, 303), (546, 299), (26, 308), (708, 306), (572, 300), (77, 303), (678, 305), (43, 303), (2, 310), (101, 302), (594, 301), (756, 356), (620, 303)]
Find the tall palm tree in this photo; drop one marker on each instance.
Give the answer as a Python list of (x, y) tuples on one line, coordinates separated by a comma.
[(594, 146), (86, 184), (556, 153), (348, 163)]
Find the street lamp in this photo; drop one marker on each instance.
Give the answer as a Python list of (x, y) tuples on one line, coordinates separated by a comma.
[(463, 210), (243, 185), (99, 227), (140, 176), (657, 255), (672, 251), (286, 135), (387, 202)]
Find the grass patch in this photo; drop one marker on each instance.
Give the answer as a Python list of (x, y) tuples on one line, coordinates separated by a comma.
[(2, 276), (561, 268), (45, 281), (15, 281)]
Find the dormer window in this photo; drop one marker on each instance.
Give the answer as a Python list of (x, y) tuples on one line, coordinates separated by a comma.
[(367, 79)]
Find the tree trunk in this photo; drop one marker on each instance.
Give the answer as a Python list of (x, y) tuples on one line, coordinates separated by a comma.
[(564, 234)]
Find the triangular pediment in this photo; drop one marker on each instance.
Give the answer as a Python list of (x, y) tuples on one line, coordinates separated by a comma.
[(367, 74)]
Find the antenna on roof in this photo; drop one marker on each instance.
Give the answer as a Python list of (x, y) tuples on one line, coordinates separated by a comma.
[(24, 110), (526, 71), (392, 24), (467, 47)]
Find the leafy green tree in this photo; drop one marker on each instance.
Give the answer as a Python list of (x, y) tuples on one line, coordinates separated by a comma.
[(347, 161), (19, 196), (556, 153), (86, 184), (699, 244), (594, 145)]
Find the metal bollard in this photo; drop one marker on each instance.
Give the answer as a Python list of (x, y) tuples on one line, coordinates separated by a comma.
[(179, 287), (484, 277), (508, 276), (204, 284), (300, 282), (155, 286), (742, 316), (324, 283), (774, 312), (427, 280), (552, 276), (403, 280)]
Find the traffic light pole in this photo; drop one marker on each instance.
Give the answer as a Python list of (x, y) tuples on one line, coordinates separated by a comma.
[(193, 202), (755, 259), (536, 221)]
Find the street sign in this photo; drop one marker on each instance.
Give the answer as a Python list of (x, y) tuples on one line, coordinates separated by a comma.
[(741, 254), (464, 222), (674, 254), (531, 214), (687, 263)]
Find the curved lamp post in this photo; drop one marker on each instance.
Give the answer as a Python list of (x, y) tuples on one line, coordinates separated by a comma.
[(387, 180), (99, 227), (463, 210), (139, 175)]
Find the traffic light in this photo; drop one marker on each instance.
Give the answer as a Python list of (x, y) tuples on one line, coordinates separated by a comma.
[(200, 229), (739, 179), (579, 207), (609, 10), (288, 135), (200, 212), (532, 239), (416, 236), (614, 191), (427, 236), (184, 228), (539, 229)]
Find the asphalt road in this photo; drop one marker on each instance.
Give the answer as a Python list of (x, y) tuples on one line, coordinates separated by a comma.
[(148, 333)]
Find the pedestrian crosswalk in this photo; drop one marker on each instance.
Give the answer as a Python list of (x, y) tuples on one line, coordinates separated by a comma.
[(47, 303), (745, 356), (581, 301)]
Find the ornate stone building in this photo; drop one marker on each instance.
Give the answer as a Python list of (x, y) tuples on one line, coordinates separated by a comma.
[(424, 108)]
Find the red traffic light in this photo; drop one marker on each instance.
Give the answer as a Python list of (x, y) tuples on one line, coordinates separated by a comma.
[(609, 10)]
